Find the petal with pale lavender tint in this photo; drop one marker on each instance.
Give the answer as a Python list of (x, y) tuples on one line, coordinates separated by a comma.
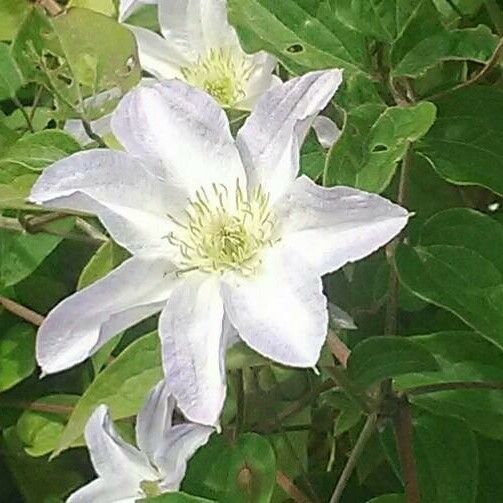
[(83, 322), (193, 348), (269, 141), (280, 311), (330, 227), (185, 129)]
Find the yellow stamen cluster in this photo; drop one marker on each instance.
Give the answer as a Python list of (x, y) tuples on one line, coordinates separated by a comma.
[(222, 74), (150, 488), (225, 231)]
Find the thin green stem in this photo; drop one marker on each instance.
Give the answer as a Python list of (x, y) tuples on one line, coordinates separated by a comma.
[(361, 442), (94, 136), (24, 113)]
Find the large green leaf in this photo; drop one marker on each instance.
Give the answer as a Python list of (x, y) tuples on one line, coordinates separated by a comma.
[(447, 460), (464, 145), (17, 355), (37, 479), (299, 39), (366, 157), (12, 13), (241, 472), (21, 253), (457, 267), (10, 76), (39, 430), (74, 61), (378, 358), (123, 386)]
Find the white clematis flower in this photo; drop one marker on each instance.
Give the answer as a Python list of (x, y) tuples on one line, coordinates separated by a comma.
[(158, 465), (200, 47), (224, 237)]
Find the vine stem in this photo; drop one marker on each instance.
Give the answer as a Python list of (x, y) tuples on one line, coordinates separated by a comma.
[(51, 6), (52, 408), (404, 434), (338, 348), (493, 60), (357, 451), (290, 488), (451, 386), (21, 311), (92, 135)]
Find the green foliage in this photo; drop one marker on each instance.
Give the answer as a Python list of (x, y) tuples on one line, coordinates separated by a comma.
[(421, 117)]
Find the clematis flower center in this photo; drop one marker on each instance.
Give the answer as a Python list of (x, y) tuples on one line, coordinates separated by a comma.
[(150, 488), (221, 74), (225, 231)]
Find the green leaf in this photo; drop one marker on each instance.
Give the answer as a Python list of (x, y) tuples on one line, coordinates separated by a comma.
[(73, 61), (107, 7), (107, 257), (33, 152), (473, 44), (177, 497), (40, 430), (17, 355), (378, 358), (388, 498), (12, 14), (14, 194), (464, 145), (456, 267), (241, 472), (300, 40), (10, 76), (21, 253), (123, 386), (367, 157), (447, 460)]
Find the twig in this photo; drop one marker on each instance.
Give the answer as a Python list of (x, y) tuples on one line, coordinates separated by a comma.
[(404, 434), (51, 6), (52, 408), (338, 348), (94, 136), (298, 405), (21, 311), (290, 488), (24, 113), (498, 52), (357, 451), (450, 386), (36, 99)]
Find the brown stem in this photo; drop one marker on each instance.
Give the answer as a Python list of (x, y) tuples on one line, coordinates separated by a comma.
[(21, 311), (39, 407), (404, 436), (338, 348), (51, 6), (357, 451), (290, 488), (450, 386)]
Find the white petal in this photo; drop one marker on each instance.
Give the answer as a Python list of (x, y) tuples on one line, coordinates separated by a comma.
[(181, 444), (128, 7), (280, 311), (330, 227), (153, 423), (130, 201), (183, 127), (269, 139), (79, 325), (261, 79), (195, 27), (326, 131), (119, 490), (157, 56), (99, 126), (193, 349), (112, 458)]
